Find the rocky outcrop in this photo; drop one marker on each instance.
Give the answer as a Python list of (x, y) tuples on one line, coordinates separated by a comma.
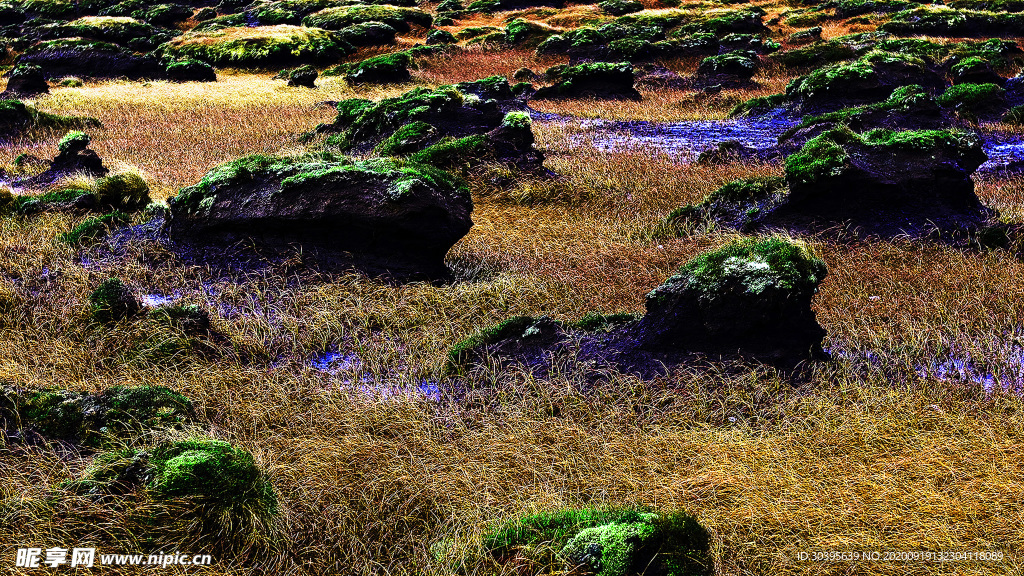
[(611, 81), (380, 213)]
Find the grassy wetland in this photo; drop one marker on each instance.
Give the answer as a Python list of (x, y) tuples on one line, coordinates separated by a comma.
[(290, 417)]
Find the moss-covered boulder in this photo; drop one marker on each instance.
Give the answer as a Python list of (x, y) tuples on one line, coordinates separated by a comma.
[(453, 111), (973, 70), (984, 100), (885, 183), (91, 59), (594, 80), (339, 17), (120, 30), (731, 66), (871, 78), (113, 301), (385, 213), (604, 542), (89, 419), (620, 7), (370, 34), (750, 299), (752, 295), (510, 144), (25, 80), (259, 47), (304, 76)]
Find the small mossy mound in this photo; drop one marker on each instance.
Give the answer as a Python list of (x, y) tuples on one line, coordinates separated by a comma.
[(17, 118), (113, 301), (1014, 115), (126, 191), (407, 139), (260, 47), (339, 17), (605, 542), (197, 488), (402, 215), (461, 353), (89, 420), (95, 227), (437, 36), (304, 76), (974, 98), (25, 80), (817, 54), (189, 70), (370, 34), (73, 143), (739, 63), (596, 80), (384, 69)]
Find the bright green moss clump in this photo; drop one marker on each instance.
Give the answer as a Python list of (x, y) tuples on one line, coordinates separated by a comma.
[(214, 471), (748, 189), (94, 227), (821, 157), (775, 262), (407, 139), (607, 542), (517, 325), (113, 301), (970, 96)]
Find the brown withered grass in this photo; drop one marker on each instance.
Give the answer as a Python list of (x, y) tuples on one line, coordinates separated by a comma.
[(873, 451)]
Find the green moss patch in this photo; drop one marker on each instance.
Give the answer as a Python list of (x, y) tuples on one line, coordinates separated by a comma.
[(758, 263), (606, 542), (113, 301), (260, 47)]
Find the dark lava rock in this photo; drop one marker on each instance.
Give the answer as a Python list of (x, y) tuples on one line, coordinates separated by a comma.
[(387, 214), (726, 152), (90, 59), (603, 80), (749, 299), (84, 419), (880, 183), (25, 80)]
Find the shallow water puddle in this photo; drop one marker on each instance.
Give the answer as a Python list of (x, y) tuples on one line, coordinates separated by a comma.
[(687, 139), (158, 300)]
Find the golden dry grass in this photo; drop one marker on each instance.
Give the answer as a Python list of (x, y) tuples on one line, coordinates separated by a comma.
[(873, 452)]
